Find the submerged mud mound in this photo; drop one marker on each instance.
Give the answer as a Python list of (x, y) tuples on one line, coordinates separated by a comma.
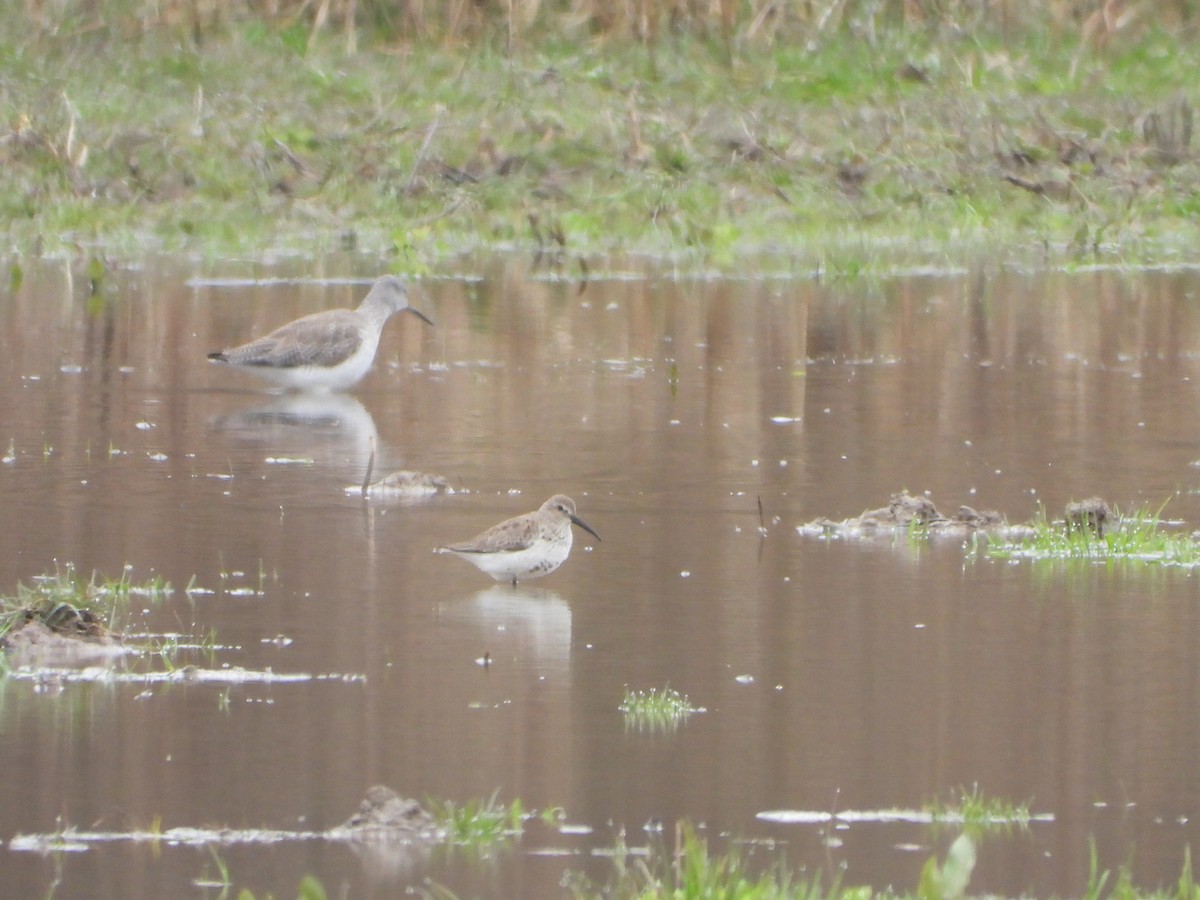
[(407, 485), (906, 511), (1091, 515), (64, 636), (384, 812)]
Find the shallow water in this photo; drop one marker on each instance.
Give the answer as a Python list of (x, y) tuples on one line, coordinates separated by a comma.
[(836, 675)]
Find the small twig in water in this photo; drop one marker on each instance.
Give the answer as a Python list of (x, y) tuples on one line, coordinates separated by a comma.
[(366, 485), (583, 275)]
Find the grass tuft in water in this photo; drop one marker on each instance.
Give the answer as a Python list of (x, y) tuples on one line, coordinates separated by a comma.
[(1137, 537), (65, 602), (973, 807), (656, 709), (476, 822)]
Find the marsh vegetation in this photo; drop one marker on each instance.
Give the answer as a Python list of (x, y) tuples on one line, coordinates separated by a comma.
[(845, 137)]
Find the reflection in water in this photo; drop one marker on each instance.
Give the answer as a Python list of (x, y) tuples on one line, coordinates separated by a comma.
[(390, 859), (528, 625), (329, 428)]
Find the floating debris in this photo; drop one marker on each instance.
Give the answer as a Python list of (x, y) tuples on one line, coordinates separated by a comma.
[(383, 814), (182, 675), (76, 841), (879, 816)]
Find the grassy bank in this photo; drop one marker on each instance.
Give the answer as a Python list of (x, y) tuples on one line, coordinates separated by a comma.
[(854, 147)]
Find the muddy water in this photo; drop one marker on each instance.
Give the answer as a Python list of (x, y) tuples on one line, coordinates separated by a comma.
[(836, 675)]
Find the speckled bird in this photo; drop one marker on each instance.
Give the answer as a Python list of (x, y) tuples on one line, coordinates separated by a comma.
[(527, 546)]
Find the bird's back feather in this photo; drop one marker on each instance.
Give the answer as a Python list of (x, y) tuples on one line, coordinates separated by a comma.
[(321, 339)]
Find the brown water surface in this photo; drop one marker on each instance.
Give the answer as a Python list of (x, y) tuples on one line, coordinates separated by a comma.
[(835, 675)]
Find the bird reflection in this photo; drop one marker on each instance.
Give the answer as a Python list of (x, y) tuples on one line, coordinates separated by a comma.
[(530, 624), (330, 428)]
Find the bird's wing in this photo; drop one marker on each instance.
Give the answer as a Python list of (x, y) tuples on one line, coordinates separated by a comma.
[(321, 339), (507, 537)]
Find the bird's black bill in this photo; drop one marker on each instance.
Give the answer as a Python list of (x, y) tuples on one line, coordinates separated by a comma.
[(420, 315), (585, 526)]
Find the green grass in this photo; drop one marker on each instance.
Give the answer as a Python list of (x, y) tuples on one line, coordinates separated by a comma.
[(830, 155), (477, 823), (950, 878), (979, 812), (691, 870), (1123, 887), (688, 869), (1137, 538), (657, 709)]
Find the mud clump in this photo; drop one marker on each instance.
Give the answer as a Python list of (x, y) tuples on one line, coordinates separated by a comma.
[(60, 635), (1091, 516), (385, 811), (905, 511), (409, 485)]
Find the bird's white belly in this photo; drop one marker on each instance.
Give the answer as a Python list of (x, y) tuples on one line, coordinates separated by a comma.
[(323, 378), (533, 562)]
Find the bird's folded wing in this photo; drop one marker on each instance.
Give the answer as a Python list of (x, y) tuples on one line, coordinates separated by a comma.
[(507, 537), (319, 340)]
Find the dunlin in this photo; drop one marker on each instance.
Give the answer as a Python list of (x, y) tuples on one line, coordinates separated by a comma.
[(527, 546), (325, 351)]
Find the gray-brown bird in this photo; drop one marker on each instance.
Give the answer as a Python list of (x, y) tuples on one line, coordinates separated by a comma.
[(325, 351), (527, 546)]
